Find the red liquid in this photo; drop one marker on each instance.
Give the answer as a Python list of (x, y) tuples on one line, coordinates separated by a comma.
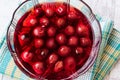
[(52, 42)]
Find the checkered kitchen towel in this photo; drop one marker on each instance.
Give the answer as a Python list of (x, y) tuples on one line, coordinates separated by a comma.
[(108, 55)]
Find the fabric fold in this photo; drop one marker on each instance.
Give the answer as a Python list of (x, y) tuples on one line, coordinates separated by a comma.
[(110, 55)]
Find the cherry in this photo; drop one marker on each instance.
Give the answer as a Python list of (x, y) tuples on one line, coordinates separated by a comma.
[(60, 22), (58, 66), (52, 58), (50, 43), (82, 30), (73, 41), (60, 38), (63, 51), (27, 56), (41, 53), (44, 21), (23, 39), (70, 63), (30, 21), (61, 10), (72, 15), (85, 42), (51, 31), (39, 31), (38, 43), (44, 52), (79, 50), (49, 12), (38, 67), (69, 30), (37, 12)]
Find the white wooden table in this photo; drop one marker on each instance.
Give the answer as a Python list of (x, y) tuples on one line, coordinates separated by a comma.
[(106, 8)]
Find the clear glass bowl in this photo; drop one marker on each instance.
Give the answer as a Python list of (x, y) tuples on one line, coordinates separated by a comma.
[(80, 5)]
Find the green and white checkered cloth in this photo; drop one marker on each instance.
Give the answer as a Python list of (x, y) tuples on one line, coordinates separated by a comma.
[(108, 55)]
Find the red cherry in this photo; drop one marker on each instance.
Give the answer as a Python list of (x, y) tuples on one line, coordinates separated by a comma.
[(79, 50), (69, 30), (61, 10), (70, 63), (50, 43), (38, 43), (52, 58), (41, 53), (49, 12), (73, 41), (26, 56), (44, 21), (38, 67), (39, 31), (72, 15), (58, 66), (64, 51), (60, 38), (85, 42), (30, 21), (60, 22), (23, 39), (51, 31), (37, 12), (44, 52), (82, 30)]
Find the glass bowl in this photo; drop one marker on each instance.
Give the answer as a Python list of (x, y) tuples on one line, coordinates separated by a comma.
[(80, 5)]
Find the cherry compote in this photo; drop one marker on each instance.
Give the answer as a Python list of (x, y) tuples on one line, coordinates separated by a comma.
[(52, 41)]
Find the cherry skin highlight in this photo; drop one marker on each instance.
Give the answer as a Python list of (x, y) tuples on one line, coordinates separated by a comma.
[(38, 43), (64, 51), (60, 38), (30, 21), (69, 30), (61, 10), (38, 67), (52, 58), (39, 31), (58, 66), (37, 12), (44, 21), (49, 12), (27, 56), (73, 41)]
